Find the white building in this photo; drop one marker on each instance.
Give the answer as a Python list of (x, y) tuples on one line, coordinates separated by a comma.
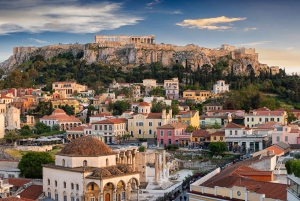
[(263, 116), (171, 88), (109, 130), (60, 117), (100, 117), (13, 118), (220, 87), (149, 84), (2, 125), (293, 189), (240, 137), (87, 169)]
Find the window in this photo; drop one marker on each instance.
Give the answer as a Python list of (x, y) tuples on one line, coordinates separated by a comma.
[(176, 132), (259, 119), (92, 185), (49, 194), (65, 185), (96, 127), (286, 138), (55, 183), (252, 119), (107, 162), (266, 119), (137, 123), (248, 119), (131, 123), (169, 133), (63, 162), (140, 131), (272, 119), (105, 127), (72, 199), (92, 199), (110, 127), (65, 198), (84, 163), (131, 133), (161, 133), (159, 123), (72, 186), (235, 132), (77, 187), (150, 131), (56, 197), (161, 141), (169, 141), (141, 124), (278, 119), (221, 138), (230, 132), (277, 138), (100, 127), (150, 123), (48, 181)]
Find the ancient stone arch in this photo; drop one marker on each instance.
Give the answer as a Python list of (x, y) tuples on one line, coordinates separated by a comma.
[(109, 191)]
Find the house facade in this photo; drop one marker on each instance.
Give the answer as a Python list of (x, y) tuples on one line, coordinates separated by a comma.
[(109, 130), (261, 117), (171, 88), (190, 118), (70, 87), (285, 134), (220, 87), (196, 95), (173, 133)]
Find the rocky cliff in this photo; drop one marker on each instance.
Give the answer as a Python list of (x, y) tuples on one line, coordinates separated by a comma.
[(131, 55)]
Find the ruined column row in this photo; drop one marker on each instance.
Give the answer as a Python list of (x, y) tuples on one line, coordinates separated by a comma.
[(126, 39)]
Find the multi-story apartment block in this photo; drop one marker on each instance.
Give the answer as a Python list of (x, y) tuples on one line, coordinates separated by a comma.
[(5, 99), (143, 125), (239, 137), (196, 95), (171, 88), (109, 130), (190, 118), (264, 116), (173, 133), (293, 188), (69, 87), (220, 87), (285, 134), (149, 84)]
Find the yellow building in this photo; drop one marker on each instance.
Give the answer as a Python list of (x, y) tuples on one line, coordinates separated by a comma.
[(199, 138), (196, 95), (217, 136), (143, 125), (189, 117), (67, 88), (63, 102)]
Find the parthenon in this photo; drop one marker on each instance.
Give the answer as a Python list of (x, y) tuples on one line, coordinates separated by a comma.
[(125, 39)]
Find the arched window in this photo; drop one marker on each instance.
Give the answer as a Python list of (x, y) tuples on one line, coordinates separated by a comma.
[(107, 162), (77, 187), (63, 162), (84, 163), (131, 133), (55, 183), (65, 184), (48, 181), (150, 131), (72, 186)]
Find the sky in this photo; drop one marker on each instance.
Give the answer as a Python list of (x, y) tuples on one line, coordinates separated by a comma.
[(272, 27)]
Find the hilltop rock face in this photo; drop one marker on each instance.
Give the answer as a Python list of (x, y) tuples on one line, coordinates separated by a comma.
[(131, 55)]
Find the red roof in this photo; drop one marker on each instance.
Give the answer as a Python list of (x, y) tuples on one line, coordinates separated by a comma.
[(18, 182), (276, 150), (32, 192), (103, 114), (294, 131), (234, 125), (144, 104), (263, 109), (110, 121), (269, 113), (200, 133), (218, 133), (60, 116)]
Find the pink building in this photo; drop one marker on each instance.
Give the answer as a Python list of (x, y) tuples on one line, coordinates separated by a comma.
[(173, 133), (286, 134)]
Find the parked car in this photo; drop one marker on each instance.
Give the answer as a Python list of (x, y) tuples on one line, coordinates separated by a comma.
[(152, 146)]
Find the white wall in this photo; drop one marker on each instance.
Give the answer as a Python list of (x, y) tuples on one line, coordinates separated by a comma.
[(91, 161)]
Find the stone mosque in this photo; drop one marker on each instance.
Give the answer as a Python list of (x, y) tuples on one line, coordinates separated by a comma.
[(88, 170)]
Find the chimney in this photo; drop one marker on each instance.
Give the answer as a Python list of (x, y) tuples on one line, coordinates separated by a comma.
[(164, 116)]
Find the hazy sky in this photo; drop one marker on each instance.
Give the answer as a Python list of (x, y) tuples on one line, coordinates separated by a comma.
[(270, 26)]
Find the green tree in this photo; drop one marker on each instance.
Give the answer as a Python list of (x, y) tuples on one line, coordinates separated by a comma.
[(190, 128), (293, 166), (55, 127), (118, 107), (11, 136), (142, 149), (217, 147), (31, 164), (158, 91), (290, 116), (41, 128), (70, 110), (25, 131)]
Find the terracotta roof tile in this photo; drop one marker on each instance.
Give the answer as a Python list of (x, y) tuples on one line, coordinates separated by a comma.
[(32, 192), (276, 150), (234, 125), (144, 104), (110, 121), (11, 199), (18, 181), (103, 114), (200, 133), (218, 133), (173, 125)]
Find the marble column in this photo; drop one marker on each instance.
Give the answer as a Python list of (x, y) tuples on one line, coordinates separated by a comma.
[(167, 171), (133, 160), (115, 195), (160, 167), (164, 164), (156, 168)]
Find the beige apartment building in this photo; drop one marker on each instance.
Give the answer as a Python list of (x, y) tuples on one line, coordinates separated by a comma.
[(197, 95), (67, 88), (171, 88), (149, 84), (261, 117)]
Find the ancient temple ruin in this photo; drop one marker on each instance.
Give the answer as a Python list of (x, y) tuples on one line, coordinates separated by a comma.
[(125, 39)]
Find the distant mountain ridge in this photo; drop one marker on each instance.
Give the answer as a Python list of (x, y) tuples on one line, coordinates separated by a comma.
[(241, 60)]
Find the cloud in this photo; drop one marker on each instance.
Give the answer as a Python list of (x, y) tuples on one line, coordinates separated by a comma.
[(37, 40), (148, 5), (36, 16), (250, 29), (209, 23), (255, 43), (289, 48)]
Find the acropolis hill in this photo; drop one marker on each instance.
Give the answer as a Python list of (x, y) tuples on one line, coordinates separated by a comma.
[(131, 51)]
